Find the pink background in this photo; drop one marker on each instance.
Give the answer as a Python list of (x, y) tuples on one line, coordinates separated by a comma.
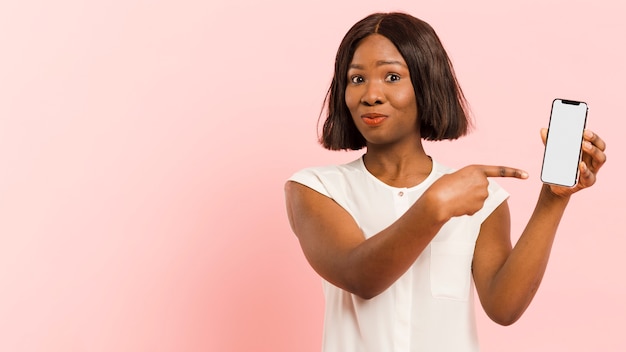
[(144, 146)]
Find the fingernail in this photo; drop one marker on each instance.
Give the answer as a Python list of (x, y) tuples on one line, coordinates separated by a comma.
[(587, 144), (588, 134)]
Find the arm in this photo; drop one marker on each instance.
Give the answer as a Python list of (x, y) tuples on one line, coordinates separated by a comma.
[(507, 279), (338, 251)]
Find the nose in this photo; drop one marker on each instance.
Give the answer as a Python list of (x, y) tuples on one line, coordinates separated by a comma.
[(373, 94)]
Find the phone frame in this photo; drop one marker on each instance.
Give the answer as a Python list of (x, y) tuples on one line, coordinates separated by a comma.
[(547, 146)]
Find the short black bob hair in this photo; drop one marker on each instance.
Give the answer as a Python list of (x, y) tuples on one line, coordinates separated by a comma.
[(442, 108)]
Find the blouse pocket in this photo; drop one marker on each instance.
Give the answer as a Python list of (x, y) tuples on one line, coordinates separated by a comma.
[(450, 269)]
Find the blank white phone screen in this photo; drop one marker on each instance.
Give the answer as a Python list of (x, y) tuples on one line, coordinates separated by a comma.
[(565, 134)]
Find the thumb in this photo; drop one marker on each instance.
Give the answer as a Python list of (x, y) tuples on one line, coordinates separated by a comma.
[(544, 135)]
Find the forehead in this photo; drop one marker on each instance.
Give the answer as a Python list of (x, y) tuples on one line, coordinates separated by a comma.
[(374, 48)]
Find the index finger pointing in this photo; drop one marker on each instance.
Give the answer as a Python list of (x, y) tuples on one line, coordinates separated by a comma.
[(503, 171)]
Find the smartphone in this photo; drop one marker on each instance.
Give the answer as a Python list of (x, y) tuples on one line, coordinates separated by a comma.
[(564, 143)]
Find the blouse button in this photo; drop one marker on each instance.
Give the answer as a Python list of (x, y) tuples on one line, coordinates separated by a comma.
[(400, 194)]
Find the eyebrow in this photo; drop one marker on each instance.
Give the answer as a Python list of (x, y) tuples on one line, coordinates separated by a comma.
[(379, 63)]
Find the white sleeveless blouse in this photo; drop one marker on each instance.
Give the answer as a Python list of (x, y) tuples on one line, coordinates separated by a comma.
[(431, 307)]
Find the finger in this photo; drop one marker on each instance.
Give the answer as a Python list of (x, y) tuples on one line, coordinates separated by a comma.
[(594, 157), (586, 177), (594, 139), (503, 171), (544, 135)]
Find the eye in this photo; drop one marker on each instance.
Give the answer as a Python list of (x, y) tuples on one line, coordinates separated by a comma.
[(356, 79), (392, 77)]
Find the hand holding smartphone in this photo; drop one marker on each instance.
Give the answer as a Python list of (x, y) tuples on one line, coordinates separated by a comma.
[(563, 150)]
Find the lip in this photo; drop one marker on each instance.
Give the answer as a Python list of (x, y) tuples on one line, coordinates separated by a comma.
[(373, 119)]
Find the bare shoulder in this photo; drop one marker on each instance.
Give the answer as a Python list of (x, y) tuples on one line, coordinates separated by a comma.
[(494, 240), (493, 247), (325, 230), (302, 200), (310, 211)]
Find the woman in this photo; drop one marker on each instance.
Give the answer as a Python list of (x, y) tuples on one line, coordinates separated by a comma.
[(398, 238)]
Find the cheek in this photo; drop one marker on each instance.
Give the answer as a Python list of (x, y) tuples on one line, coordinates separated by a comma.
[(351, 99), (405, 100)]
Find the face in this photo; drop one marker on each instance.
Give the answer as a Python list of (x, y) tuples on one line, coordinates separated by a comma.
[(380, 95)]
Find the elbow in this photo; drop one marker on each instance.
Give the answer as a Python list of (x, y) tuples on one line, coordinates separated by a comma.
[(364, 284), (506, 310), (365, 292), (504, 313), (366, 295), (505, 318), (506, 321)]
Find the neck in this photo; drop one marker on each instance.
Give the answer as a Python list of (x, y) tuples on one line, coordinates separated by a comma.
[(400, 167)]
